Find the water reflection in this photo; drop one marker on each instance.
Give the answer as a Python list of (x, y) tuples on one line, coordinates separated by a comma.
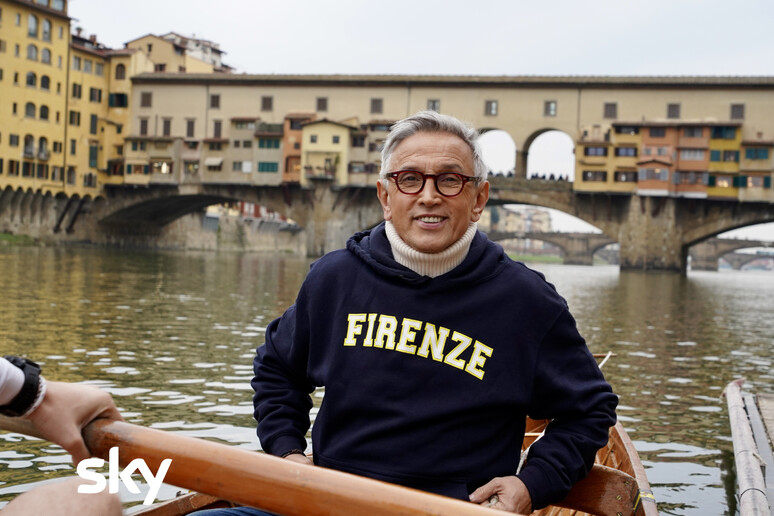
[(172, 336)]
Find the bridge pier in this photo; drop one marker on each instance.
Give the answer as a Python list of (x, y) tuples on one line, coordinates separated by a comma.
[(704, 256), (650, 236)]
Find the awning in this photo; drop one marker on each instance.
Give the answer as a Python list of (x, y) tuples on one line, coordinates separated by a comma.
[(213, 162)]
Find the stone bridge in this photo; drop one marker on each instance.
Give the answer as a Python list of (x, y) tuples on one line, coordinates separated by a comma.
[(577, 248), (705, 255), (654, 233)]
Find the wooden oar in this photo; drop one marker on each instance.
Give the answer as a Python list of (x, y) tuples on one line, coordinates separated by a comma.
[(258, 479)]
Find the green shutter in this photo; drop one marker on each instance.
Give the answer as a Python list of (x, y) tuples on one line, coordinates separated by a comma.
[(767, 182), (711, 180)]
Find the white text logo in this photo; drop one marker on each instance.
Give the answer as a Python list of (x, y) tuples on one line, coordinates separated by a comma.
[(139, 465)]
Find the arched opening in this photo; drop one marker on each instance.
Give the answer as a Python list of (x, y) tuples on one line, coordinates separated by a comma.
[(32, 79), (551, 156), (499, 152), (32, 52), (120, 71), (45, 82), (46, 30), (29, 110), (45, 56), (32, 26), (44, 112)]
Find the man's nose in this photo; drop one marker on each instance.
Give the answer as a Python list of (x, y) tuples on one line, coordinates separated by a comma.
[(430, 192)]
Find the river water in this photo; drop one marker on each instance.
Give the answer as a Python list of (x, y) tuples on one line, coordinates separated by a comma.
[(172, 335)]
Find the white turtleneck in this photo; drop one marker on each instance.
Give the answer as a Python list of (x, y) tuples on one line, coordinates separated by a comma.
[(430, 264)]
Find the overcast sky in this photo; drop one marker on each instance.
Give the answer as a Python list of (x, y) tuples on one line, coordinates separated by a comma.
[(458, 37)]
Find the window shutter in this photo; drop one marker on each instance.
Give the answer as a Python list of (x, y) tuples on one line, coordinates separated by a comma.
[(711, 181), (767, 182)]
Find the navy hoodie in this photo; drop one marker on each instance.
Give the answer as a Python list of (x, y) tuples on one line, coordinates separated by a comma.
[(428, 380)]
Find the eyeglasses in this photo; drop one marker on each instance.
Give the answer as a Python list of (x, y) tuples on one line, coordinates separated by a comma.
[(448, 184)]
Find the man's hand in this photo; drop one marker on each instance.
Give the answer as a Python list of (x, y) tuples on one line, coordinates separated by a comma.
[(504, 493), (66, 409), (300, 458)]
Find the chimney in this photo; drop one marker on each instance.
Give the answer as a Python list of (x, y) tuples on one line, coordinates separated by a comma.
[(93, 38), (78, 31)]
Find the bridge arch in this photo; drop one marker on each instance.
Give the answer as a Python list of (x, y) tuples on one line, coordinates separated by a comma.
[(550, 155)]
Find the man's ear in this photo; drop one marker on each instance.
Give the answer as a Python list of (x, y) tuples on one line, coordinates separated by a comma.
[(482, 196), (384, 198)]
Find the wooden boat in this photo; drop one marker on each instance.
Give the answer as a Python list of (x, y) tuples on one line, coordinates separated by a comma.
[(617, 485), (752, 448)]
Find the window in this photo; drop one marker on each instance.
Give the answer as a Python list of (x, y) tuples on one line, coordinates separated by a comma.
[(93, 151), (313, 138), (120, 72), (236, 144), (692, 154), (322, 104), (595, 151), (377, 105), (731, 156), (756, 153), (653, 174), (191, 167), (595, 176), (714, 155), (267, 103), (146, 99), (490, 108), (610, 110), (13, 140), (87, 65), (627, 129), (236, 166), (247, 144), (268, 143), (214, 101), (45, 56), (215, 146), (32, 52), (72, 147), (77, 88), (95, 95), (625, 177), (626, 151), (45, 82), (143, 127), (43, 112), (32, 26), (549, 108), (93, 124), (268, 166), (189, 128), (32, 80), (217, 128), (295, 125), (737, 111), (693, 132), (29, 110), (118, 100), (657, 132), (46, 33), (14, 109), (434, 105), (162, 167), (76, 63), (673, 110), (723, 133), (166, 126), (358, 141), (335, 139)]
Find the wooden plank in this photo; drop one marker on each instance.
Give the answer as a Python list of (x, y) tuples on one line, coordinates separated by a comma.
[(752, 488), (766, 405)]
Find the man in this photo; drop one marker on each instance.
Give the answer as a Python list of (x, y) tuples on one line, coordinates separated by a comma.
[(59, 411), (433, 346)]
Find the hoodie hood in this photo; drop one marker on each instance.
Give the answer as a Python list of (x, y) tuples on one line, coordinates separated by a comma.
[(485, 259)]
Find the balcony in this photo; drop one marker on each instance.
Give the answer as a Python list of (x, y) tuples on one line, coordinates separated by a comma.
[(44, 154), (29, 153)]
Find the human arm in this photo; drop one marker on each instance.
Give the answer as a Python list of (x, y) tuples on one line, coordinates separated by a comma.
[(504, 493), (570, 390), (59, 411), (282, 391), (66, 409)]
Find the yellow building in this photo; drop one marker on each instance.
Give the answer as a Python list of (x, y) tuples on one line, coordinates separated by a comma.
[(170, 53), (34, 50), (325, 151)]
